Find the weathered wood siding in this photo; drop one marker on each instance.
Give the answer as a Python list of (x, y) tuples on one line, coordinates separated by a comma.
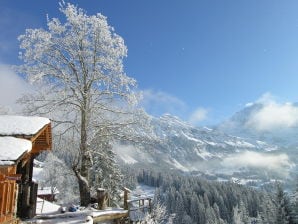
[(8, 189)]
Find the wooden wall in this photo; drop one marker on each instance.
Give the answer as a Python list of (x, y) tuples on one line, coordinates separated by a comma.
[(8, 190), (20, 198)]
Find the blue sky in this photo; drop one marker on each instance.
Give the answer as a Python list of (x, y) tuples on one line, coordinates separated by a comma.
[(210, 57)]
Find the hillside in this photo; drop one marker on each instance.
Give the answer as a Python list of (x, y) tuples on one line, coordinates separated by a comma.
[(186, 147)]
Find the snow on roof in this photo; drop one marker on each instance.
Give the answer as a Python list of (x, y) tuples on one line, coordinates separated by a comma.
[(20, 125), (12, 148), (47, 191)]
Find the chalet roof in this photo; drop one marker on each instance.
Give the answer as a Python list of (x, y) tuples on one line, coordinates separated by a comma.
[(11, 125), (11, 149)]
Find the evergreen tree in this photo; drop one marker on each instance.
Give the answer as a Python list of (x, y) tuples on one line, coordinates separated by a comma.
[(194, 208), (210, 216), (213, 202), (237, 216), (105, 172), (283, 210), (187, 219), (294, 209), (179, 210), (244, 213)]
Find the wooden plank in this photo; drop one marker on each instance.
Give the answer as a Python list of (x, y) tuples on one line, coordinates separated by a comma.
[(2, 177), (7, 169), (12, 193), (142, 207), (8, 199), (15, 199), (139, 199), (2, 197), (107, 217), (5, 198)]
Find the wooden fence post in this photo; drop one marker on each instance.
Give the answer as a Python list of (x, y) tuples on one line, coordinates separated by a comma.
[(126, 196), (102, 197)]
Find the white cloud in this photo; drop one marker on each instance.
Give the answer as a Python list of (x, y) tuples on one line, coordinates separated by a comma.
[(273, 116), (198, 115), (258, 160), (266, 98), (249, 104), (11, 87), (158, 102)]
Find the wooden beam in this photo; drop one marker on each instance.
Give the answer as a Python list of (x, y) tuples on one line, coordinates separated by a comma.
[(107, 217)]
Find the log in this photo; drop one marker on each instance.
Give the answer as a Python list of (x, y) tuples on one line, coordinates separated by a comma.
[(102, 198)]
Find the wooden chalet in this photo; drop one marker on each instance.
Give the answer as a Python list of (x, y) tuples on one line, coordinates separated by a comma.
[(21, 140)]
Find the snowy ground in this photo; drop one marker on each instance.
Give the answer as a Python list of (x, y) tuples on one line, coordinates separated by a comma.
[(44, 207), (50, 213), (67, 220), (143, 191)]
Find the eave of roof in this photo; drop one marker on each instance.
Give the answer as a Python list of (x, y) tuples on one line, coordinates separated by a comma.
[(21, 126), (13, 149)]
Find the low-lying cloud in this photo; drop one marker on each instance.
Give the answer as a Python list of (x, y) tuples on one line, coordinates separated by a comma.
[(198, 115), (273, 116), (276, 162), (159, 102)]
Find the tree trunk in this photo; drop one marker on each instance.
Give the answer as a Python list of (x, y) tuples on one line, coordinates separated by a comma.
[(83, 174), (84, 193), (85, 196)]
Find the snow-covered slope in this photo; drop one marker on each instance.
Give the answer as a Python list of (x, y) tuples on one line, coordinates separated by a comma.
[(184, 146)]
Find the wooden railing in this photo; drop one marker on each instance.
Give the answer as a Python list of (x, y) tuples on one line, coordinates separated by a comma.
[(138, 207), (135, 208)]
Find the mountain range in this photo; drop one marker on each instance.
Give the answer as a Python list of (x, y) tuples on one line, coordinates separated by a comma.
[(188, 148)]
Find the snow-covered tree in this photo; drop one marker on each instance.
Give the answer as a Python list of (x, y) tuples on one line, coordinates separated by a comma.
[(157, 216), (5, 110), (57, 176), (77, 67), (294, 206), (240, 214), (105, 172), (283, 207)]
